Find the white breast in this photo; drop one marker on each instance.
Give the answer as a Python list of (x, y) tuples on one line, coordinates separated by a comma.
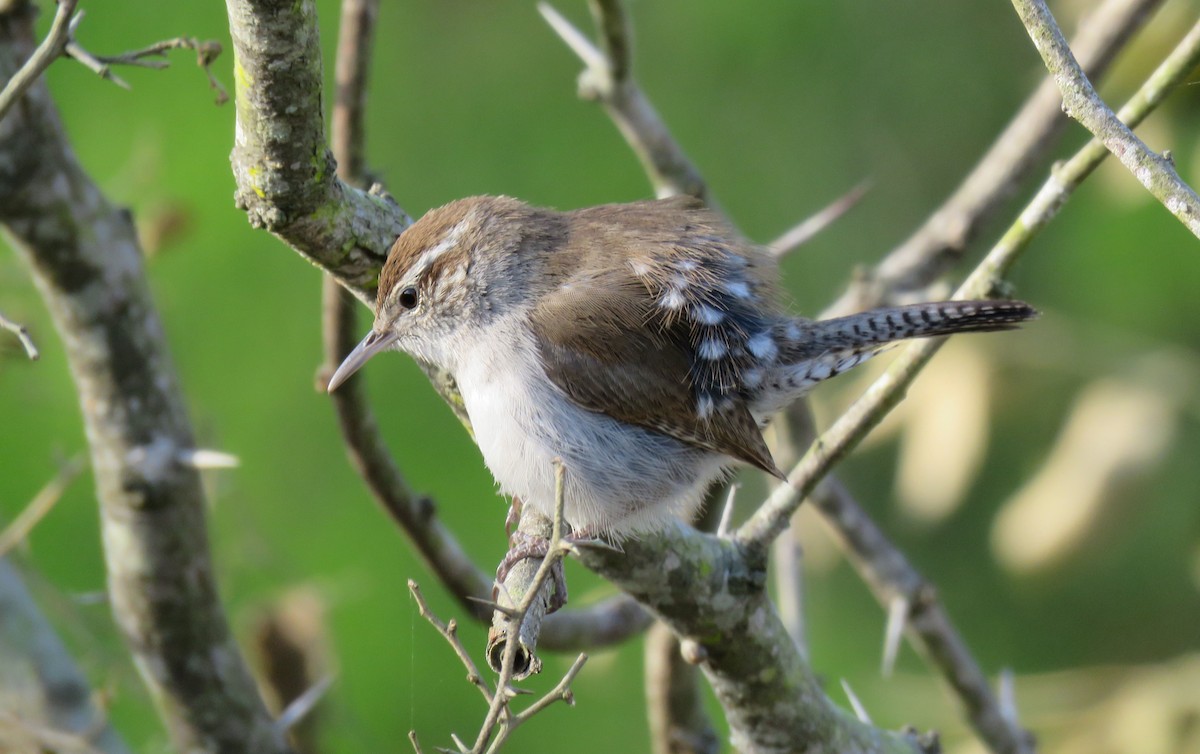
[(620, 478)]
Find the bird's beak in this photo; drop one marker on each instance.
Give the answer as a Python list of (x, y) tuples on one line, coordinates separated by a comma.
[(370, 345)]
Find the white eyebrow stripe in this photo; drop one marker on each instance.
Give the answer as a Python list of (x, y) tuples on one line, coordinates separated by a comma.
[(435, 252)]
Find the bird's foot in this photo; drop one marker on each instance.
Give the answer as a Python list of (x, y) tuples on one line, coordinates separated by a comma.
[(524, 546), (513, 518)]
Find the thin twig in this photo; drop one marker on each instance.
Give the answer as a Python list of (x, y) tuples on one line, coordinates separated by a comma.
[(46, 53), (1080, 101), (42, 502), (500, 720), (944, 237), (450, 633), (560, 693), (512, 640), (416, 742), (809, 227), (607, 79), (21, 332), (679, 723), (725, 523), (356, 39), (207, 52), (897, 619)]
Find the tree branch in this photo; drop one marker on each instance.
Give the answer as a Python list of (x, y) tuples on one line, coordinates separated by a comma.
[(1080, 101), (675, 706), (710, 591), (608, 79), (890, 576), (364, 443), (46, 53), (987, 277), (284, 171), (943, 238), (31, 654), (356, 40), (85, 259)]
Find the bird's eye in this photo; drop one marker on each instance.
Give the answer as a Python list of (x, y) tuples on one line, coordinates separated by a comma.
[(408, 298)]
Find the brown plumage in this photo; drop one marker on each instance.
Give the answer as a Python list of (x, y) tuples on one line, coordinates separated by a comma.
[(642, 343)]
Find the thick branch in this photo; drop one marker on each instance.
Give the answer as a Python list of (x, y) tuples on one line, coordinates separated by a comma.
[(86, 262), (942, 239), (284, 170), (1080, 101), (710, 591)]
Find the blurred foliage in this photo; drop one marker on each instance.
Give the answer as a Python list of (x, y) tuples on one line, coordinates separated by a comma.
[(784, 106)]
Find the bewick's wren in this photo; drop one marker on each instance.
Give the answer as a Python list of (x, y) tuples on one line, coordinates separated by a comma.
[(640, 343)]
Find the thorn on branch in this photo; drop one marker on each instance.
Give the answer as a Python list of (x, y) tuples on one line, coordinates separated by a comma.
[(897, 619), (859, 710), (726, 523), (22, 333)]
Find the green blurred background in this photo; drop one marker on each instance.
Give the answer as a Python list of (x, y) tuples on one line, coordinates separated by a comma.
[(784, 107)]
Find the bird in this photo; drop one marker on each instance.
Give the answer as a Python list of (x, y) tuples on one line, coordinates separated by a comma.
[(642, 344)]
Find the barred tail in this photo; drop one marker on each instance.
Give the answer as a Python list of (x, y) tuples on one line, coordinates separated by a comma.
[(881, 326), (811, 352)]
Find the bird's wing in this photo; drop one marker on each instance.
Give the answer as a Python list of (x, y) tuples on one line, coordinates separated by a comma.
[(606, 343)]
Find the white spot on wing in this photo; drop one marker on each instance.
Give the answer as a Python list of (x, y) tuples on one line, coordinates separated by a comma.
[(712, 349), (672, 299), (763, 346), (738, 289), (704, 406), (822, 370), (640, 268), (707, 315)]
